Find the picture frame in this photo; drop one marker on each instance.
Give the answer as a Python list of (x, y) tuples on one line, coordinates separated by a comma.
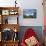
[(5, 12), (13, 12), (29, 13)]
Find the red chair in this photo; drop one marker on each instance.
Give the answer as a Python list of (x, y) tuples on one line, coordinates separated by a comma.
[(29, 33)]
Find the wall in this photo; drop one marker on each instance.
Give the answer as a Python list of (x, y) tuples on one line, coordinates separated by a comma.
[(32, 4), (27, 4), (7, 3)]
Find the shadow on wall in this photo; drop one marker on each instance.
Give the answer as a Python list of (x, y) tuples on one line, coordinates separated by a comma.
[(37, 29)]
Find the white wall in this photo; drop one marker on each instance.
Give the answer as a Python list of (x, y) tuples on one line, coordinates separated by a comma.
[(27, 4), (32, 4), (7, 3)]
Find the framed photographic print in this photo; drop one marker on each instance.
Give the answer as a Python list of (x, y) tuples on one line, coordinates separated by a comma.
[(13, 12), (29, 13), (5, 12)]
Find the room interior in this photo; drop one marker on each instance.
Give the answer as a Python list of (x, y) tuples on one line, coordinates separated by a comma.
[(17, 16)]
